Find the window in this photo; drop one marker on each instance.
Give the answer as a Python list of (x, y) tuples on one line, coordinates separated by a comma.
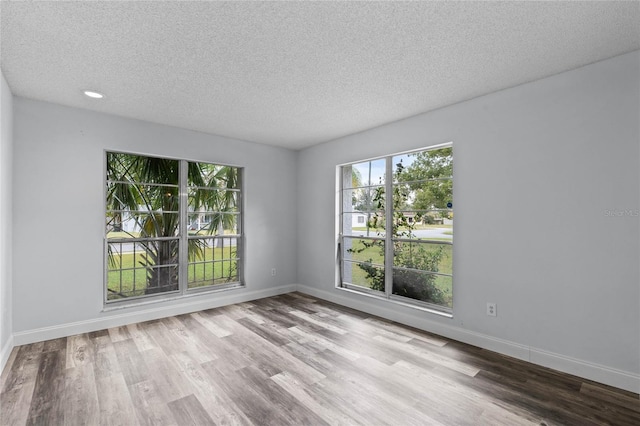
[(172, 226), (408, 233)]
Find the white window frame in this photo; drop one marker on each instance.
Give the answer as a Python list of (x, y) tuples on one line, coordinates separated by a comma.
[(388, 238), (182, 238)]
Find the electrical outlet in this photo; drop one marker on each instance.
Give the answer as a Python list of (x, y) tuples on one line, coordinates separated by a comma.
[(492, 309), (273, 272)]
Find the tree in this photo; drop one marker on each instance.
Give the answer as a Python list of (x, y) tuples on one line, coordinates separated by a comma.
[(427, 178), (145, 189), (356, 178)]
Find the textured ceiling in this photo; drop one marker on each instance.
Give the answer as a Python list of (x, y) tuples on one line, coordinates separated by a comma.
[(294, 74)]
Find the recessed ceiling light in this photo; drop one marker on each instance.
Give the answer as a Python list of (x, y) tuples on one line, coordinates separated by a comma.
[(92, 94)]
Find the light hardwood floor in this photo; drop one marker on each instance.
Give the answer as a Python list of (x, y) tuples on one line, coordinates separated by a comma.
[(290, 360)]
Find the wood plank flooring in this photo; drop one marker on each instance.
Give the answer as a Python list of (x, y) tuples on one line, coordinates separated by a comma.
[(290, 360)]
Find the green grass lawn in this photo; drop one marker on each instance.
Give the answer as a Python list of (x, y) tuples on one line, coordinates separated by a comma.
[(374, 255), (133, 282)]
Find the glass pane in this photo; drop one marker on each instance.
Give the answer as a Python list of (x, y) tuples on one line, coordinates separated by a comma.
[(363, 224), (423, 286), (212, 261), (364, 275), (143, 169), (213, 224), (130, 255), (363, 250), (141, 281), (146, 267), (121, 225), (206, 274), (371, 199), (212, 175), (367, 173), (424, 256), (142, 225), (161, 279), (213, 200), (212, 248), (432, 164), (135, 196), (123, 284), (425, 195), (137, 210)]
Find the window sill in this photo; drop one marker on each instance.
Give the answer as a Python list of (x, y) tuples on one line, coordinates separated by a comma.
[(152, 300), (395, 301)]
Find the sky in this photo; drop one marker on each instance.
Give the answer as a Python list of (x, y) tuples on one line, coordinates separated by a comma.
[(377, 168)]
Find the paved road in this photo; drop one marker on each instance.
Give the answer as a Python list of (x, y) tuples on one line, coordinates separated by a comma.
[(439, 233)]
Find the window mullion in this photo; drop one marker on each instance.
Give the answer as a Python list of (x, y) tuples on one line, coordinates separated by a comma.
[(183, 247), (388, 244), (345, 203), (240, 227)]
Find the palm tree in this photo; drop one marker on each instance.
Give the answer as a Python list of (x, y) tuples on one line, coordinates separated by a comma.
[(146, 190)]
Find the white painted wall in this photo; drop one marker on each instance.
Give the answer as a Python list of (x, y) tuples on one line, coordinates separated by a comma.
[(58, 215), (6, 148), (537, 167)]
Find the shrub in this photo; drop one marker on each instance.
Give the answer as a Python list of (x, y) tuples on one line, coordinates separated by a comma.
[(411, 283)]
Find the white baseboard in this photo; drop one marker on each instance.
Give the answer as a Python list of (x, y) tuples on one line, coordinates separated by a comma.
[(598, 373), (149, 312), (5, 352)]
